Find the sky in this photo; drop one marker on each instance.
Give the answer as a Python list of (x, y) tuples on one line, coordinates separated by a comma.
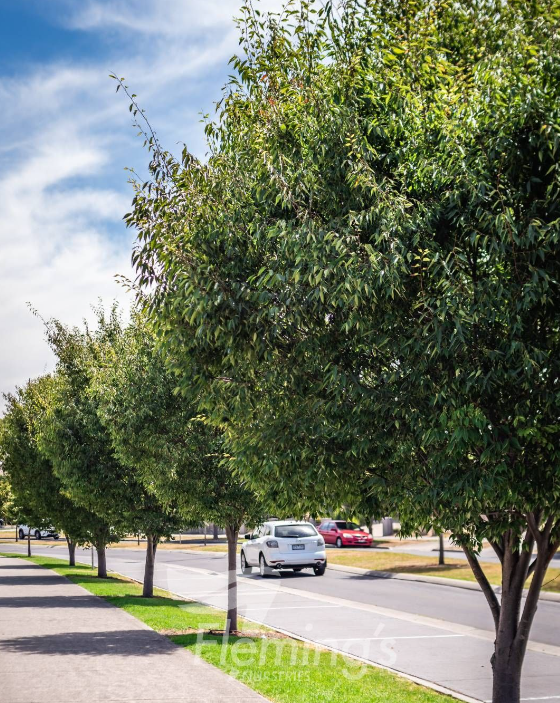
[(66, 139)]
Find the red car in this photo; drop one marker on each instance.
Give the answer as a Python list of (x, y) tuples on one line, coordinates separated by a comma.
[(344, 534)]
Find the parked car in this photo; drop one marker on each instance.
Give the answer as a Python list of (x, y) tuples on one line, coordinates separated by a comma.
[(284, 544), (344, 534), (24, 530)]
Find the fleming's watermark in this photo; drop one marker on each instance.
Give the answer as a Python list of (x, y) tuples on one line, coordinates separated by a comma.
[(260, 655)]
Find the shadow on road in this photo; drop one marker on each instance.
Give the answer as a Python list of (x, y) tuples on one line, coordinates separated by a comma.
[(279, 574)]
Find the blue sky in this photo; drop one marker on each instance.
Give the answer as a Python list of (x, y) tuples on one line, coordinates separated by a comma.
[(66, 138)]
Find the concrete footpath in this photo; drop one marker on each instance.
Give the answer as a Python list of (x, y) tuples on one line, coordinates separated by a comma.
[(60, 644)]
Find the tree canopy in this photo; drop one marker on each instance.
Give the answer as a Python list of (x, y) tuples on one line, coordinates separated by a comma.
[(44, 500)]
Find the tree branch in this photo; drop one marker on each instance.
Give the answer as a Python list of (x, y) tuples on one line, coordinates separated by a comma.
[(525, 568), (538, 567), (499, 550), (484, 585), (533, 524)]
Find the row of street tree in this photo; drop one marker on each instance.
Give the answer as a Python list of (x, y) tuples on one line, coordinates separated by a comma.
[(355, 298), (104, 447)]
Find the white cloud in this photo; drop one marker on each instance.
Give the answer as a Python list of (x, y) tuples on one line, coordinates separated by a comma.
[(185, 19), (63, 190), (56, 252), (66, 140), (179, 18)]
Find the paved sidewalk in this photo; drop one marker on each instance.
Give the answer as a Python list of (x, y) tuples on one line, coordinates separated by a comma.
[(60, 644)]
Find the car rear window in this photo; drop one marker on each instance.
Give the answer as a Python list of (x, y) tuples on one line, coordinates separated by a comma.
[(295, 531), (346, 525)]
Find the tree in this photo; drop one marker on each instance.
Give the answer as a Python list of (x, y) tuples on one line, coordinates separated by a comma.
[(71, 436), (36, 488), (76, 437), (6, 497), (158, 433), (365, 272)]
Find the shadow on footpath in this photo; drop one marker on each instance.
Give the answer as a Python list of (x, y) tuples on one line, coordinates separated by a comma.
[(128, 643), (52, 602), (32, 580)]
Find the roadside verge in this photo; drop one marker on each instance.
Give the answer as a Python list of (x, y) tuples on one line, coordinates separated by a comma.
[(439, 580), (279, 667)]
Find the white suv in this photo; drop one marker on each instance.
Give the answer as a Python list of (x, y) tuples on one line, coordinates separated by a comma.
[(284, 544), (24, 530)]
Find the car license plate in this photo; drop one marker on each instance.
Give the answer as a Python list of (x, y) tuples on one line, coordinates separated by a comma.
[(298, 546)]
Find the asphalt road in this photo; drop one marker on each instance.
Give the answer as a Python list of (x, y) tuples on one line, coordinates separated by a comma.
[(436, 633)]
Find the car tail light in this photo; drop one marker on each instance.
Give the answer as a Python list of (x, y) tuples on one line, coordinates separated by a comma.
[(320, 542), (272, 543)]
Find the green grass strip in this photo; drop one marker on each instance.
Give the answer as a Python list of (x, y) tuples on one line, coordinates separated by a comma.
[(280, 668)]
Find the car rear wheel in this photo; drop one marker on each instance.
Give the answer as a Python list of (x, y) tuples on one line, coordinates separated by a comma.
[(319, 569), (245, 568), (264, 570), (20, 533), (37, 534), (339, 543)]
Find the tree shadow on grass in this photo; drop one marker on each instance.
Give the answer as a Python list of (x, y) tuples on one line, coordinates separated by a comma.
[(432, 570), (122, 601), (128, 643), (190, 640)]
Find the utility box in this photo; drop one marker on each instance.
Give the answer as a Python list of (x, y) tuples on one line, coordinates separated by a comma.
[(387, 524)]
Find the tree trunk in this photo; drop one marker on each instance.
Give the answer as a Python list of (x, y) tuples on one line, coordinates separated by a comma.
[(215, 531), (71, 552), (506, 669), (101, 560), (17, 535), (441, 561), (232, 534), (28, 541), (509, 650), (148, 588), (507, 659), (513, 624)]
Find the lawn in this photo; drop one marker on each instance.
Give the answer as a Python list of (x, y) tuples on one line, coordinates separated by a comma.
[(176, 544), (428, 566), (280, 668)]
